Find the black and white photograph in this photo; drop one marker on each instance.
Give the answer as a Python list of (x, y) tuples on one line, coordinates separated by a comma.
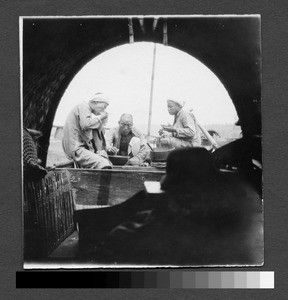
[(141, 141)]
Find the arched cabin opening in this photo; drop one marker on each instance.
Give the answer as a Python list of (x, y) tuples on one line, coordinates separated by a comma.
[(54, 51), (135, 85)]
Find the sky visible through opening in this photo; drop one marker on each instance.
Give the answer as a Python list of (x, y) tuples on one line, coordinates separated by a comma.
[(124, 73)]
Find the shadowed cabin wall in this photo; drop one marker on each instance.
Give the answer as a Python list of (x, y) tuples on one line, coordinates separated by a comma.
[(54, 51)]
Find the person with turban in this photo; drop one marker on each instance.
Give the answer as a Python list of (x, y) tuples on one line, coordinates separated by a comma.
[(184, 132), (83, 135)]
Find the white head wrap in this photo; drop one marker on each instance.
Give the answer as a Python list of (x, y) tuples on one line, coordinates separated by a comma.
[(99, 97), (179, 102)]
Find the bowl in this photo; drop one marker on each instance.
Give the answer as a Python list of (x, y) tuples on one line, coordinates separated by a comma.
[(118, 160), (160, 154)]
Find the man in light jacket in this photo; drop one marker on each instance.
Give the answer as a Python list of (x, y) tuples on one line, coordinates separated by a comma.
[(83, 136), (184, 132), (126, 140)]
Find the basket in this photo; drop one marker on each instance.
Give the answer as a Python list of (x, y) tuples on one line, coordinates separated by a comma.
[(48, 214)]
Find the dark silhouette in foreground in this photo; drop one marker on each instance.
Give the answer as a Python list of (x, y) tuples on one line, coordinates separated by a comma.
[(204, 217)]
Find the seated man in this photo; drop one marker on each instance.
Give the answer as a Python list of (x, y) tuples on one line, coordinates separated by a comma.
[(83, 137), (127, 140), (184, 132)]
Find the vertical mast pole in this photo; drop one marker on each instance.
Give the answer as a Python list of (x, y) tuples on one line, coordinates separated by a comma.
[(151, 91)]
